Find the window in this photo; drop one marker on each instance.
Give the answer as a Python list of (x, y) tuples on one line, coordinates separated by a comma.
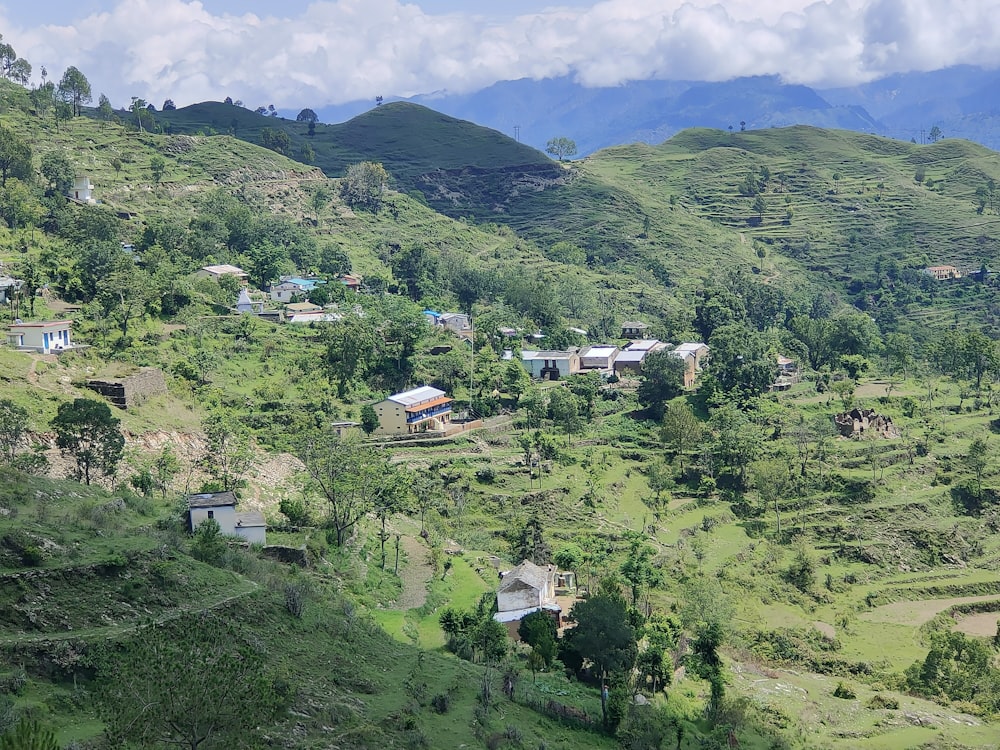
[(211, 514)]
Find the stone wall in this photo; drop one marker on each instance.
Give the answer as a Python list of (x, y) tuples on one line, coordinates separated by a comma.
[(131, 390), (857, 422)]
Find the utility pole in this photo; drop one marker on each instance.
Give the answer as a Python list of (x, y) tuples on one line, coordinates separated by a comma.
[(517, 133)]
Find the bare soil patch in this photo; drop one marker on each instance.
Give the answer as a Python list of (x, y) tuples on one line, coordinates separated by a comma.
[(982, 624), (916, 613), (416, 574)]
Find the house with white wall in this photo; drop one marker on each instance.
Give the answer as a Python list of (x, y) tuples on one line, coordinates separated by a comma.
[(46, 337), (221, 507)]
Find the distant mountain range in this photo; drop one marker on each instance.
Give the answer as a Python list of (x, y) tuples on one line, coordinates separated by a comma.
[(963, 102)]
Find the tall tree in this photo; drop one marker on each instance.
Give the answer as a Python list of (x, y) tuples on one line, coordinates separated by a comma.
[(662, 380), (306, 115), (352, 478), (192, 683), (15, 156), (74, 89), (604, 636), (364, 185), (681, 430), (58, 171), (228, 450), (86, 430)]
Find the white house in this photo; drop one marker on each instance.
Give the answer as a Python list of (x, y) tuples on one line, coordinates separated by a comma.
[(221, 507), (83, 189), (525, 589), (47, 337)]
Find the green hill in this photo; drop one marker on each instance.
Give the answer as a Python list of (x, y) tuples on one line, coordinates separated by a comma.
[(408, 139)]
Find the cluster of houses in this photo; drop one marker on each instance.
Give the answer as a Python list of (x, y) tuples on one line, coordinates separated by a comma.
[(623, 361)]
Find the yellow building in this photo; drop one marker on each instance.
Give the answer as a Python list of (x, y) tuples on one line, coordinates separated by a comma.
[(417, 410)]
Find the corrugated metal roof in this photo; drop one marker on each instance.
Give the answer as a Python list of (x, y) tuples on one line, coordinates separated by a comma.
[(211, 499), (416, 395)]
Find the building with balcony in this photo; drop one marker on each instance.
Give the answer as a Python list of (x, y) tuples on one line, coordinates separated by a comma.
[(419, 410)]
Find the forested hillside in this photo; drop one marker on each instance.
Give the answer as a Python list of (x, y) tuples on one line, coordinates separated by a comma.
[(798, 550)]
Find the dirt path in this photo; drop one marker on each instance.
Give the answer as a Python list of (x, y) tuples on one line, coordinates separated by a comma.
[(416, 574), (916, 613)]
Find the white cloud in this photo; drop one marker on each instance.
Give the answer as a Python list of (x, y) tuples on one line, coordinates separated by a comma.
[(354, 49)]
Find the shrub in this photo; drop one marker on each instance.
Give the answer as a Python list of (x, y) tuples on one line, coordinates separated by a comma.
[(843, 690), (883, 701), (296, 511), (441, 703)]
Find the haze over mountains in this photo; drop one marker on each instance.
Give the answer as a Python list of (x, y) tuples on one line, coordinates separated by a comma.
[(963, 101)]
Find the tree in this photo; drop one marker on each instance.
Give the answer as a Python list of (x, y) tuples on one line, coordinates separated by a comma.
[(681, 430), (157, 167), (538, 630), (976, 462), (568, 557), (140, 111), (276, 140), (13, 429), (57, 170), (352, 478), (564, 409), (935, 134), (165, 467), (86, 430), (662, 380), (771, 478), (104, 109), (15, 157), (561, 147), (20, 71), (742, 361), (74, 89), (979, 356), (364, 185), (123, 295), (369, 419), (228, 450), (604, 636), (350, 347), (306, 115), (193, 682), (28, 735), (168, 105), (759, 207)]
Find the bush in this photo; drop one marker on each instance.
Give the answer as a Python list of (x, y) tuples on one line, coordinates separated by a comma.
[(843, 690), (883, 701), (441, 703), (296, 511), (486, 475)]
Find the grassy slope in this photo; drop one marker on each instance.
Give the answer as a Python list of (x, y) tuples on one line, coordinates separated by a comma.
[(353, 685), (688, 188)]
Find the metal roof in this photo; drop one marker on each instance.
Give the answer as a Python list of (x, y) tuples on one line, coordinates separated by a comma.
[(416, 395), (211, 499)]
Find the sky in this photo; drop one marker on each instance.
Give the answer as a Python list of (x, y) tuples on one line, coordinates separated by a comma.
[(311, 53)]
